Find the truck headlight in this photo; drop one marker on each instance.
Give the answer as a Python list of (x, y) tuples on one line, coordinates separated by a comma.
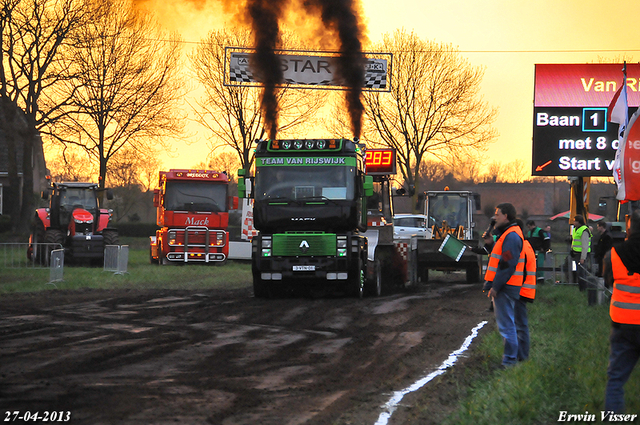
[(266, 243), (342, 243), (266, 252), (342, 252), (172, 237)]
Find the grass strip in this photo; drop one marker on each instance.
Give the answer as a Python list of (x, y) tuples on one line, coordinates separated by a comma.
[(141, 274), (566, 370)]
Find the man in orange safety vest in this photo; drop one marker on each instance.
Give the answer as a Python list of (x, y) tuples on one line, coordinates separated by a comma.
[(504, 276), (622, 271)]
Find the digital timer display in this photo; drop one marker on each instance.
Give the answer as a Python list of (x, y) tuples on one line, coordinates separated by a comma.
[(380, 161)]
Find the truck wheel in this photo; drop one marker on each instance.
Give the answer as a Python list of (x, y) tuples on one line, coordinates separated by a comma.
[(374, 286), (423, 275), (110, 237), (151, 259), (473, 274), (356, 282), (53, 239), (260, 289)]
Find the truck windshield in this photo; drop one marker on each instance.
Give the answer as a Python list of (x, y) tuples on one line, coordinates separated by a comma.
[(85, 198), (195, 196), (449, 207), (305, 183)]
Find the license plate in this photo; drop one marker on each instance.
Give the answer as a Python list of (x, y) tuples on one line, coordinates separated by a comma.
[(304, 268)]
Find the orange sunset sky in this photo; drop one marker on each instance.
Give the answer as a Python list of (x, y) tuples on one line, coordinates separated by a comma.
[(507, 38)]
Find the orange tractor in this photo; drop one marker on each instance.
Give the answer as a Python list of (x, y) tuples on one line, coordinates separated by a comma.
[(73, 221)]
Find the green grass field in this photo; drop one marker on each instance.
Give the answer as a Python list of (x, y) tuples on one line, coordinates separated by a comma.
[(141, 274)]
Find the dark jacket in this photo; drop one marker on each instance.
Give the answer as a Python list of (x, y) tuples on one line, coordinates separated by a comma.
[(537, 238), (603, 245)]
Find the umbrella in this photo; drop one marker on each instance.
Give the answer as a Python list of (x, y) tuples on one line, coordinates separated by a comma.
[(567, 214)]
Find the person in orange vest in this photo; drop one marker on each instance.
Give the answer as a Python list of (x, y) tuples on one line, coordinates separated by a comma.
[(527, 295), (622, 271), (503, 278)]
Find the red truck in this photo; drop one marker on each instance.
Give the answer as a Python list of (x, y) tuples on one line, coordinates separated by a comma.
[(193, 213)]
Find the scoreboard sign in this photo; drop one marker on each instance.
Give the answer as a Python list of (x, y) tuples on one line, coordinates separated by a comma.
[(380, 161), (571, 135)]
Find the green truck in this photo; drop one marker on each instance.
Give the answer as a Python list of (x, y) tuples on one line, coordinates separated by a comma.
[(310, 212)]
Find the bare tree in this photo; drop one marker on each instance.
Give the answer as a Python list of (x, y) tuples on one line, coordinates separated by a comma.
[(68, 164), (33, 34), (225, 161), (434, 107), (126, 88), (233, 113), (515, 171)]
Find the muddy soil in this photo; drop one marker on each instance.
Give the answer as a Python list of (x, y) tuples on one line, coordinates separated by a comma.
[(224, 357)]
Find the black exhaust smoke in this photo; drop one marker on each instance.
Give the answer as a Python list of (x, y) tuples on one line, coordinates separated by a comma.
[(341, 17), (265, 15)]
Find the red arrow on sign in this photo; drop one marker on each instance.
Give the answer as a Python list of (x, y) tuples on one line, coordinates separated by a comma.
[(540, 167)]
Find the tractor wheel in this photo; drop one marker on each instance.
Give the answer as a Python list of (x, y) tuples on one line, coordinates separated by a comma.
[(38, 248), (473, 273), (374, 286), (54, 239), (110, 237)]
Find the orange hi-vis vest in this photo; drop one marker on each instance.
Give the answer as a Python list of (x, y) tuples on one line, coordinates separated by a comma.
[(625, 300), (496, 256), (528, 289)]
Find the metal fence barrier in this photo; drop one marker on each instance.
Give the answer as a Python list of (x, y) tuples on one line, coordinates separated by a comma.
[(44, 256), (116, 258), (56, 266), (13, 255), (596, 291)]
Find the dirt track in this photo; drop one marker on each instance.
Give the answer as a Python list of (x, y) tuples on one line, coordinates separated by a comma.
[(128, 357)]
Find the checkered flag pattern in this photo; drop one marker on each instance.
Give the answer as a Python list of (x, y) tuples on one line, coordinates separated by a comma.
[(247, 229), (403, 250), (375, 80), (241, 75)]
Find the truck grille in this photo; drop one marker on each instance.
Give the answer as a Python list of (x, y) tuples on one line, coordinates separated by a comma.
[(196, 237), (304, 244)]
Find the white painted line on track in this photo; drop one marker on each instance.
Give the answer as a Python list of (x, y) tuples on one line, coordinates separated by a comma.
[(392, 404)]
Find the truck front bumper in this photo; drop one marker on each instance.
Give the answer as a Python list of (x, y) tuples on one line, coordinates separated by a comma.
[(286, 268)]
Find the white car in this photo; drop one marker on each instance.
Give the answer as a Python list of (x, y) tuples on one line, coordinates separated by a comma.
[(406, 225)]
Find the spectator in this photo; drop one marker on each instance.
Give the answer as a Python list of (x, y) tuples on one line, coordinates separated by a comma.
[(622, 271), (580, 248), (527, 295), (539, 242), (504, 278), (547, 241), (603, 245)]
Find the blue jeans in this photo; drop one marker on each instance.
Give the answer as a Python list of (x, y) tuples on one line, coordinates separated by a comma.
[(522, 330), (504, 308), (625, 351)]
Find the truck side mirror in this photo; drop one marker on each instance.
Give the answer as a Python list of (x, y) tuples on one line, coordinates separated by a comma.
[(109, 194), (368, 185), (45, 194), (242, 186), (476, 198), (156, 198)]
